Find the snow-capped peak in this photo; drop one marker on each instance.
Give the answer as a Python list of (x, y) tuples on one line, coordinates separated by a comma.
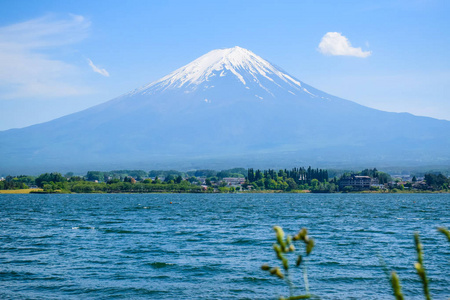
[(240, 62)]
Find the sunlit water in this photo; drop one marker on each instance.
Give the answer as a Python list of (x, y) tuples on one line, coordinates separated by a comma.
[(212, 246)]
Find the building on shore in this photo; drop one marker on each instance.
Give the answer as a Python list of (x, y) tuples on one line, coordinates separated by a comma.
[(356, 182), (233, 181)]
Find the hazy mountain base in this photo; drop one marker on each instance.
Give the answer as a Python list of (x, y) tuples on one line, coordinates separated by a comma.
[(217, 137)]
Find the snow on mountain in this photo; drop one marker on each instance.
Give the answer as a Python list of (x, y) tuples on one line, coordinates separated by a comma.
[(252, 71), (230, 108)]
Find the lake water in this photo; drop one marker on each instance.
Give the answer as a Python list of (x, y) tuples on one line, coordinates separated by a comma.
[(212, 246)]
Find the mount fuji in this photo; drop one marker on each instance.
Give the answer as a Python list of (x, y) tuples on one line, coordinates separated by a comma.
[(227, 108)]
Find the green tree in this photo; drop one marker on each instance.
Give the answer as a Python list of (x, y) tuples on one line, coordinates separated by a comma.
[(291, 184), (156, 181), (258, 175), (49, 177), (94, 175), (68, 174)]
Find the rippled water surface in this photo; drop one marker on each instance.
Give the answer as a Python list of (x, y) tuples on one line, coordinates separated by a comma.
[(212, 246)]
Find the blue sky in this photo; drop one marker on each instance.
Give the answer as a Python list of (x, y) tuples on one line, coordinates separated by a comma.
[(58, 57)]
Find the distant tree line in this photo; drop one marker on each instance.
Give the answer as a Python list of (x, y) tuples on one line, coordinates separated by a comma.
[(235, 172), (16, 183), (299, 175), (315, 180), (55, 182), (199, 181), (141, 174), (437, 181)]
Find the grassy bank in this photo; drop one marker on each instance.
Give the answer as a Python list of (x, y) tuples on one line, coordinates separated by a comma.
[(20, 191)]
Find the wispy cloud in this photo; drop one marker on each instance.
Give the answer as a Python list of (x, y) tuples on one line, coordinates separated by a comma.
[(27, 67), (97, 69), (334, 43)]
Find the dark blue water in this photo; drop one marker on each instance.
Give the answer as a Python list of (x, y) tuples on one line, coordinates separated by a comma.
[(212, 246)]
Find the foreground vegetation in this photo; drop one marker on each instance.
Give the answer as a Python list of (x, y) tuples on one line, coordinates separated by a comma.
[(284, 246)]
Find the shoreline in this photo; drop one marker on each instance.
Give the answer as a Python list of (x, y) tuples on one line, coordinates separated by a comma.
[(41, 191)]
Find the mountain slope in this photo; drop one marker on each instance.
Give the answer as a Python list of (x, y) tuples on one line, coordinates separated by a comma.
[(229, 107)]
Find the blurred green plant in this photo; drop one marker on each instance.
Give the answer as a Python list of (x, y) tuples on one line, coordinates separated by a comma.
[(445, 232), (419, 266), (285, 246), (395, 282)]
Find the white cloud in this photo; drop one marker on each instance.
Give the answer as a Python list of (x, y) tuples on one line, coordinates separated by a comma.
[(334, 43), (27, 68), (97, 69)]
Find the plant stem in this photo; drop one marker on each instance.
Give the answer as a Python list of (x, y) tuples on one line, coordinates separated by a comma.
[(420, 267)]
